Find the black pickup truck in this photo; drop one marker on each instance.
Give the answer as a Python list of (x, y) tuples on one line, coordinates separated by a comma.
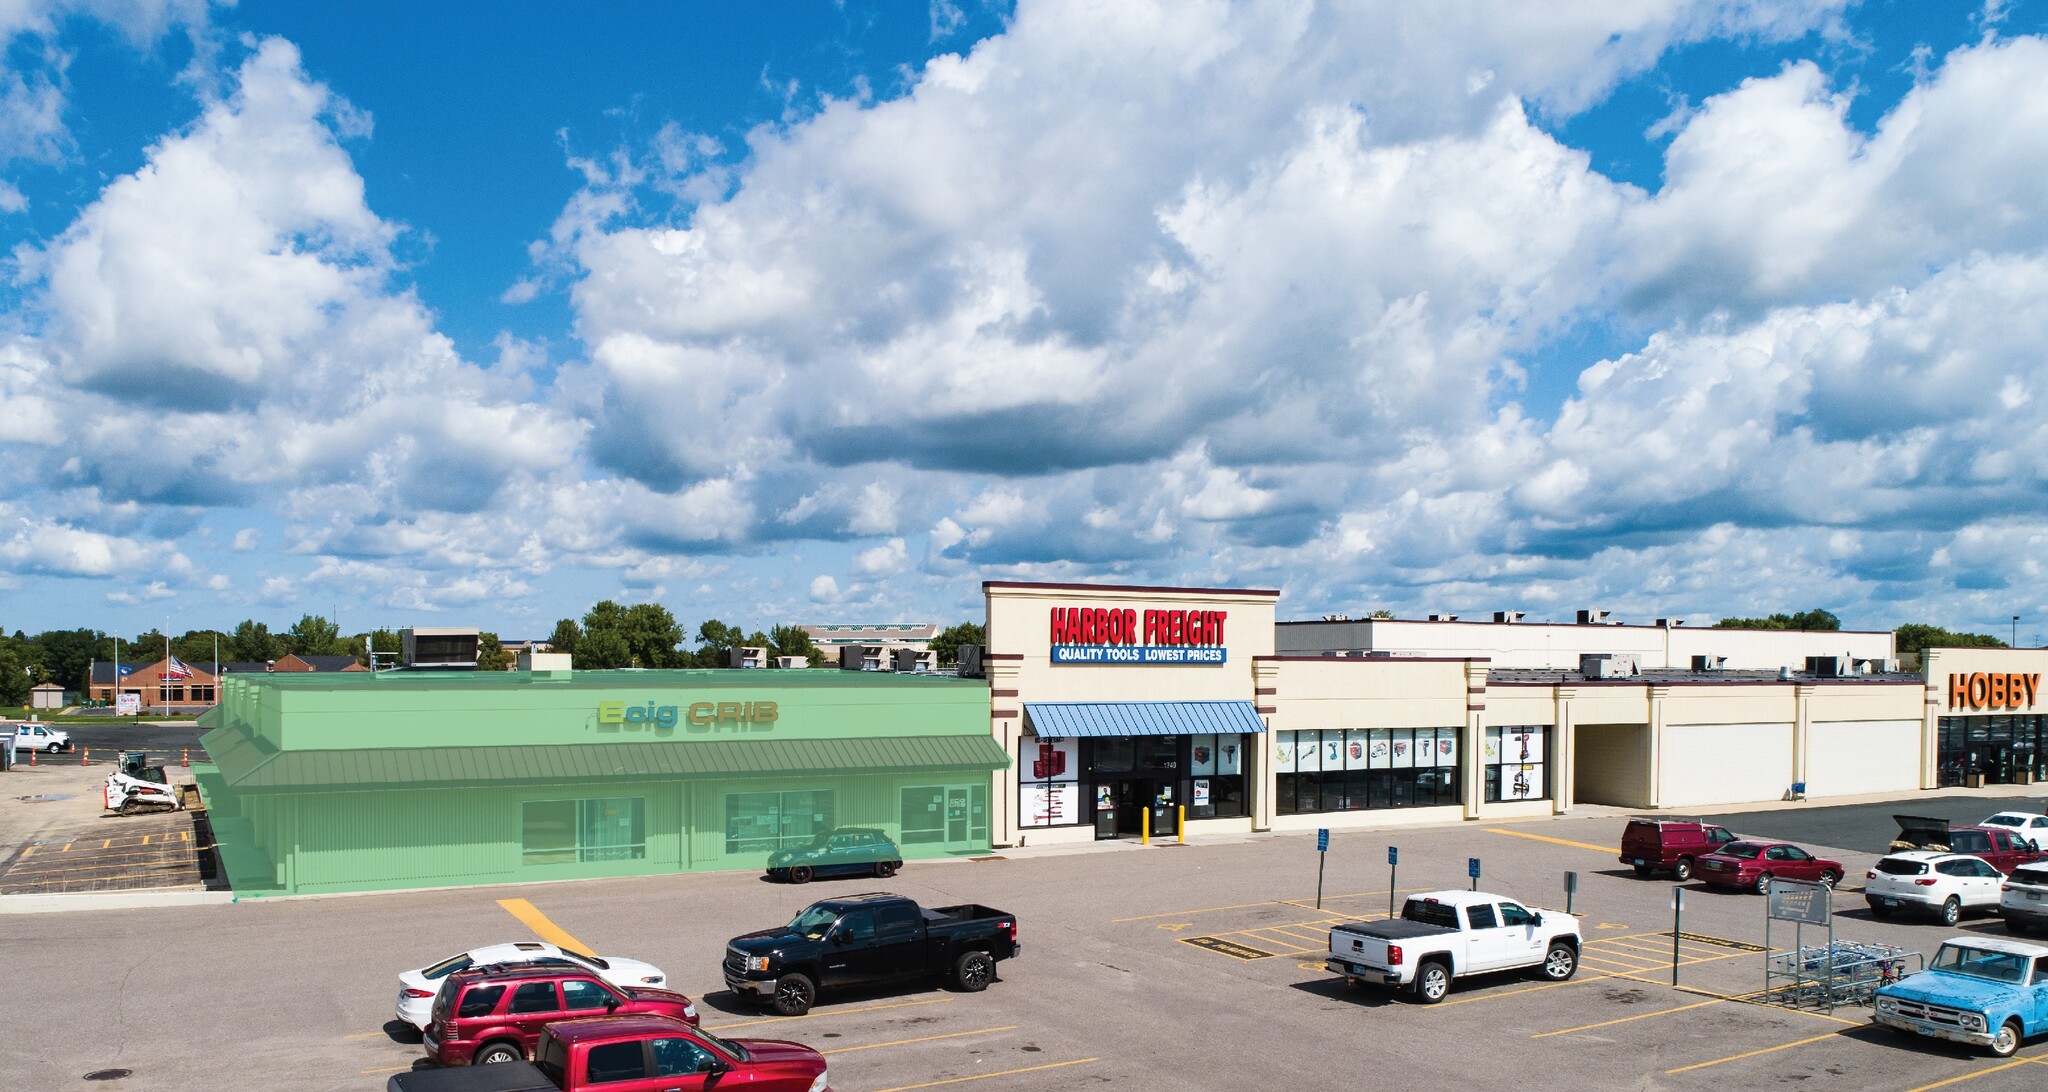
[(865, 939)]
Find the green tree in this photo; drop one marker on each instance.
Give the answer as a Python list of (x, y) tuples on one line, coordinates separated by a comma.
[(65, 654), (794, 641), (195, 647), (603, 650), (491, 654), (1812, 620), (384, 642), (713, 639), (14, 676), (605, 614), (566, 634), (1914, 637), (313, 635), (653, 636), (947, 643), (1382, 613), (146, 648), (254, 643)]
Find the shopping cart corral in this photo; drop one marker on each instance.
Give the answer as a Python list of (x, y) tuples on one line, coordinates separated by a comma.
[(1828, 975)]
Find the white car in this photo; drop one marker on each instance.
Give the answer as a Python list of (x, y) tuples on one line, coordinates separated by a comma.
[(30, 736), (2026, 826), (1944, 884), (416, 988)]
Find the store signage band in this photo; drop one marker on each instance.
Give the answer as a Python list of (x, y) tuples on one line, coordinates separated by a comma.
[(1117, 635), (613, 716), (1993, 690)]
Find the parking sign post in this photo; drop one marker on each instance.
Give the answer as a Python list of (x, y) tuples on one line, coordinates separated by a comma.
[(1571, 887), (1677, 927), (1472, 870), (1393, 870), (1322, 858)]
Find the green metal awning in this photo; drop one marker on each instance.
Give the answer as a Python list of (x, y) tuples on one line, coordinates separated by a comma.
[(248, 766)]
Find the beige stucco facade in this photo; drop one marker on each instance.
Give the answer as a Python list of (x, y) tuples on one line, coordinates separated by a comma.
[(1559, 645)]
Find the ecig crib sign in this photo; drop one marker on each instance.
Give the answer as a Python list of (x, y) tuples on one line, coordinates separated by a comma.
[(702, 716), (1117, 635)]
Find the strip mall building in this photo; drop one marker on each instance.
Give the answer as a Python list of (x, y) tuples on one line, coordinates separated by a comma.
[(1125, 708), (1104, 711)]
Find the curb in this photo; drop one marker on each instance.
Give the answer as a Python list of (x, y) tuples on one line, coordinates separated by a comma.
[(111, 900)]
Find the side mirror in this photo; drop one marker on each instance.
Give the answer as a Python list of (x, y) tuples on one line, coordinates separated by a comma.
[(611, 1004), (839, 937)]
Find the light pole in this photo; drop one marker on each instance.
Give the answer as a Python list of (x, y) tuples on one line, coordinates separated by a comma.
[(2015, 631)]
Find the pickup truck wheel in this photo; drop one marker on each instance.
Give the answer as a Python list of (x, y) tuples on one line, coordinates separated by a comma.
[(974, 971), (1432, 983), (800, 873), (886, 869), (1682, 871), (494, 1053), (1763, 883), (1952, 911), (1561, 962), (794, 994), (2007, 1040)]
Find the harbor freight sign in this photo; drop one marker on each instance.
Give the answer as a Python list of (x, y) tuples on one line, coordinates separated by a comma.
[(1116, 635)]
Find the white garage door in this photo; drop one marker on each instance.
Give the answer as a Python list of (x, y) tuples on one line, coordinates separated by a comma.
[(1611, 765), (1861, 756), (1725, 763)]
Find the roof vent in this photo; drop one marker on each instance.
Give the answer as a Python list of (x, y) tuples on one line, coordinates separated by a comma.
[(1670, 623), (1785, 674), (1592, 617), (1336, 618), (1507, 616), (1443, 617)]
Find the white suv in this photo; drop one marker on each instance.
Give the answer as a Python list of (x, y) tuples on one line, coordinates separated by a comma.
[(1945, 884), (2026, 826), (2023, 899)]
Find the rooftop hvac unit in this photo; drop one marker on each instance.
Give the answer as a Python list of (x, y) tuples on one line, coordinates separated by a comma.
[(746, 656), (1824, 667), (1443, 617), (1507, 616), (438, 648), (792, 663), (1708, 663), (860, 658), (1592, 617), (1336, 618), (1606, 665), (970, 661), (1670, 623), (911, 660)]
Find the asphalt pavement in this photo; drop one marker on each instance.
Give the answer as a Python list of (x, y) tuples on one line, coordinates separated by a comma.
[(161, 738), (1866, 828)]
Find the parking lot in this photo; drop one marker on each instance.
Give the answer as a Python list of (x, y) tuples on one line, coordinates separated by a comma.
[(1169, 967)]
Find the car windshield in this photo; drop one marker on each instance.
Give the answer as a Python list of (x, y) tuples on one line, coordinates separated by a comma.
[(447, 967), (2006, 821), (1894, 866), (814, 922), (1745, 850), (730, 1046), (1980, 963)]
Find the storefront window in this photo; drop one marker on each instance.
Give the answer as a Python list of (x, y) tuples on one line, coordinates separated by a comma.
[(1049, 783), (1993, 750), (581, 831), (1357, 769), (946, 814), (1112, 755), (1517, 764), (763, 822)]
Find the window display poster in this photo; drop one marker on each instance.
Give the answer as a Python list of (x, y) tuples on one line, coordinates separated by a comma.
[(1404, 748), (1105, 798), (1051, 805), (1201, 791), (1283, 752), (1521, 781), (1447, 746), (1492, 746), (1356, 742), (1379, 749), (1308, 752), (1051, 758), (1333, 750), (1202, 755), (1522, 743), (1229, 755)]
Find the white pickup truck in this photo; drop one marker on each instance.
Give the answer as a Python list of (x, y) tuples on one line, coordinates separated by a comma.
[(1442, 935)]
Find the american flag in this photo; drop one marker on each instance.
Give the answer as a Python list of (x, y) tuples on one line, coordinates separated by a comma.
[(176, 670)]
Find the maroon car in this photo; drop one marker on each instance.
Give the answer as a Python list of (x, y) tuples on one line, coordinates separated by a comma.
[(496, 1013), (1755, 864)]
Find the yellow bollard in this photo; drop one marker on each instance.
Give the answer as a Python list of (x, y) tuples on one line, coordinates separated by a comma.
[(1144, 821), (1180, 823)]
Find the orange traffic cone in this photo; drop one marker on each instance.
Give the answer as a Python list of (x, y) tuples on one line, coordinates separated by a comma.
[(188, 756), (85, 757), (31, 758)]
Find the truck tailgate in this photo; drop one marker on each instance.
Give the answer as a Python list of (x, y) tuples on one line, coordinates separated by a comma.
[(1366, 942)]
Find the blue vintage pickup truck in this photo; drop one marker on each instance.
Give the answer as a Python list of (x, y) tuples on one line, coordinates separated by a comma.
[(1986, 991)]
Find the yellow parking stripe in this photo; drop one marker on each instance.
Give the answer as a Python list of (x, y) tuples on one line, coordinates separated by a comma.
[(924, 1039), (985, 1076), (530, 916), (1627, 1019), (1974, 1076), (1754, 1053), (1609, 850)]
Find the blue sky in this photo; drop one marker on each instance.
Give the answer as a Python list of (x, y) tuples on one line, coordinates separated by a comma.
[(828, 312)]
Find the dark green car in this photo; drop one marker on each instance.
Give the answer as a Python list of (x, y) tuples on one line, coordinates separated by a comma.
[(848, 851)]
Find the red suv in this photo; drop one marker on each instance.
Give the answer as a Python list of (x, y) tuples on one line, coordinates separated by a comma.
[(1669, 845), (495, 1013)]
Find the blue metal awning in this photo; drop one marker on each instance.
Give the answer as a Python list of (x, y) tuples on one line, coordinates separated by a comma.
[(1142, 718)]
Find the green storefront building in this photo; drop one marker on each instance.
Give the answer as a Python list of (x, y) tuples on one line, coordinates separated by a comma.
[(362, 781)]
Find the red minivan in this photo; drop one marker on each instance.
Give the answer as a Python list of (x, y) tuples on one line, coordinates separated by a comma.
[(1669, 845), (496, 1013)]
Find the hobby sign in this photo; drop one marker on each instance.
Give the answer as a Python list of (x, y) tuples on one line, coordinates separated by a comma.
[(1116, 635), (1993, 690)]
